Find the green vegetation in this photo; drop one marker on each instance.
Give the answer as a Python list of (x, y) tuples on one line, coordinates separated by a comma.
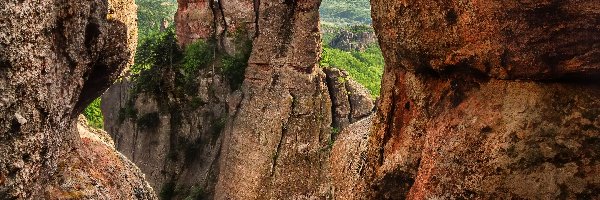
[(345, 12), (151, 13), (159, 54), (217, 128), (93, 114), (334, 133), (198, 54), (234, 68), (365, 67), (196, 102), (127, 112)]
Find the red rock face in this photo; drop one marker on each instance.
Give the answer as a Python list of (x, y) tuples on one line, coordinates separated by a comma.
[(224, 20), (454, 121), (539, 39), (194, 20)]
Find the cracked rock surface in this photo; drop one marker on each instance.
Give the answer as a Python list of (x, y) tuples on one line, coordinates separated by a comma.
[(276, 130), (55, 58), (495, 99)]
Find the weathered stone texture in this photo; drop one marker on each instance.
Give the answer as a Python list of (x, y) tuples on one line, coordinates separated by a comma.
[(180, 147), (453, 121), (277, 128), (97, 171), (538, 40), (194, 20), (349, 41), (226, 21), (55, 58), (348, 160), (350, 100), (275, 144)]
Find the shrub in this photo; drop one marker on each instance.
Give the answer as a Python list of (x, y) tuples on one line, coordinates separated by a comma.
[(217, 128), (234, 68), (155, 54), (191, 149), (197, 55), (93, 114), (334, 133), (196, 103), (128, 111)]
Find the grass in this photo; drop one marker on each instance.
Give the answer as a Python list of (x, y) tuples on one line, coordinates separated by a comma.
[(365, 67), (345, 12)]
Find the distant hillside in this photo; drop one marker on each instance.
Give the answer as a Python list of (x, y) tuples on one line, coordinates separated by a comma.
[(346, 22), (152, 12), (345, 12)]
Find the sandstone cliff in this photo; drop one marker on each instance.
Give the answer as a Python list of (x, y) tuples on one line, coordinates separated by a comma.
[(241, 143), (479, 100), (55, 58), (496, 99)]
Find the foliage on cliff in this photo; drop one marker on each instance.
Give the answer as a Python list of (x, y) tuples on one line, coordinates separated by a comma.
[(366, 67), (93, 114), (151, 13)]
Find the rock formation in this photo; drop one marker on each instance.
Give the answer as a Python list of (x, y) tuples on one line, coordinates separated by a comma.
[(175, 140), (97, 171), (245, 143), (348, 41), (55, 58), (479, 100), (350, 100), (495, 99)]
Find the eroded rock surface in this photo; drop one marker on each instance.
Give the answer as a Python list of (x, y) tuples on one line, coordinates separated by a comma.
[(351, 101), (55, 58), (453, 121), (174, 139), (349, 160), (97, 170), (271, 138), (536, 40), (224, 21)]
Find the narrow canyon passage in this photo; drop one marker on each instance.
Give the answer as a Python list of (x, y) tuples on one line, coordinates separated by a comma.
[(248, 99), (459, 115)]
